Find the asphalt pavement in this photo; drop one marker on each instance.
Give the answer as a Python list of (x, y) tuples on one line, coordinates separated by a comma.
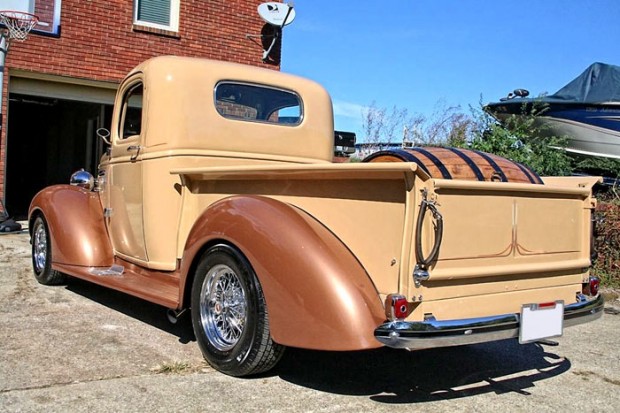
[(82, 348)]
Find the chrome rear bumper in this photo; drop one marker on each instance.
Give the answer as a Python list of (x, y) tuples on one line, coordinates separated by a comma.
[(417, 335)]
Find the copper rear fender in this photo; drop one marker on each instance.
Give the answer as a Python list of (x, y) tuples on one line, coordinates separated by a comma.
[(318, 295)]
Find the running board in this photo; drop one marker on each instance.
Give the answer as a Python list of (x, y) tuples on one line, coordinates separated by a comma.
[(154, 286)]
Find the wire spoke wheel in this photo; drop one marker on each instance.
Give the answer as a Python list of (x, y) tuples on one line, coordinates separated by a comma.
[(39, 248), (223, 309), (42, 254), (229, 314)]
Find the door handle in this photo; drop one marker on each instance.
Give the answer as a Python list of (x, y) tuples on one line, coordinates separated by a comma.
[(136, 148)]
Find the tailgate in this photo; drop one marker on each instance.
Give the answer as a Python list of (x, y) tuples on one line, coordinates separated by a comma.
[(492, 229), (504, 245)]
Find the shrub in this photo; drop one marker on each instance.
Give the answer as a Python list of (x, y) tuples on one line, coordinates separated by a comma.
[(607, 263), (520, 139)]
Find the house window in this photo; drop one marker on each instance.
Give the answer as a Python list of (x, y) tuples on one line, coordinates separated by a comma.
[(159, 14)]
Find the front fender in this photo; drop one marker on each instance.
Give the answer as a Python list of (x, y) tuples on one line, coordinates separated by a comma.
[(318, 294), (76, 225)]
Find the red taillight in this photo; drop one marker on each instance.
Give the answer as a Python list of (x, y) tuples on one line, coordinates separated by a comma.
[(595, 283), (396, 307), (400, 308), (547, 305), (592, 286)]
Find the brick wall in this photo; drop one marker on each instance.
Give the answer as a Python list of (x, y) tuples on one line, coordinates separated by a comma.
[(98, 41)]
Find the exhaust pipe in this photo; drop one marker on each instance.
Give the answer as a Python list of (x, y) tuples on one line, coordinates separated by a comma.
[(174, 315)]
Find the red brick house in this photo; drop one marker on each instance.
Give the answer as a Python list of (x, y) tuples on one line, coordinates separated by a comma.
[(59, 84)]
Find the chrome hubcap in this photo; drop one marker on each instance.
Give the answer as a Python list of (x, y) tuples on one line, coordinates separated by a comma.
[(39, 248), (223, 307)]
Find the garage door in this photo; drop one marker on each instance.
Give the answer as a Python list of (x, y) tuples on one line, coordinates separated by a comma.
[(62, 88)]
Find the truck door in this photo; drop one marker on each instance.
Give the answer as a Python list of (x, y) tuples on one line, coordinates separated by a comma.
[(125, 209)]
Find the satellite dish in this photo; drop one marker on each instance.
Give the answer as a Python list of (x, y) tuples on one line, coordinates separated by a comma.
[(276, 14)]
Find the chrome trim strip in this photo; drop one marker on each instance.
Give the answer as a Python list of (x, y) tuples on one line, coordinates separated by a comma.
[(417, 335), (115, 269)]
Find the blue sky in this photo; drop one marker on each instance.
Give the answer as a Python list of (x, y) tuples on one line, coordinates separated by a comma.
[(421, 54)]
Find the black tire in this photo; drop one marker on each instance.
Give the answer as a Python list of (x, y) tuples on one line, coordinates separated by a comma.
[(42, 255), (229, 315)]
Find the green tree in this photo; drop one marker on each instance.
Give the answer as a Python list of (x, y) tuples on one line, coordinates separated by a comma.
[(520, 138), (596, 166)]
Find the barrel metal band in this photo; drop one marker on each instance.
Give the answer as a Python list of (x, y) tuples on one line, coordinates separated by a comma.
[(442, 168), (403, 155), (470, 162), (494, 165)]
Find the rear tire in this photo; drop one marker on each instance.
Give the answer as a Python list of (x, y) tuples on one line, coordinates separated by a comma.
[(229, 315), (42, 255)]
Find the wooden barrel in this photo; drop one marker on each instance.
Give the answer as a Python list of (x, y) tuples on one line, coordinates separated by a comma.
[(457, 163)]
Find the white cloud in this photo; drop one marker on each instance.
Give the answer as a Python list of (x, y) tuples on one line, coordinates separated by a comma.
[(348, 116), (348, 109)]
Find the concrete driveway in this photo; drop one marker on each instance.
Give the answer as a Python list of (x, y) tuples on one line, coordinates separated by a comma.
[(82, 348)]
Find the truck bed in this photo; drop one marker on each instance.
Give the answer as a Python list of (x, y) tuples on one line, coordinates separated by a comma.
[(503, 244)]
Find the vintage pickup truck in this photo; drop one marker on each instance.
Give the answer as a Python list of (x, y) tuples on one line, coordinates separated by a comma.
[(218, 194)]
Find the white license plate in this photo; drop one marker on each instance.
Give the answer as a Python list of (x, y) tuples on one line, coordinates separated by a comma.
[(540, 321)]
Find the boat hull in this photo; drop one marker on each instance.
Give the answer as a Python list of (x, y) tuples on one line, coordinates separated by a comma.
[(583, 138), (590, 129)]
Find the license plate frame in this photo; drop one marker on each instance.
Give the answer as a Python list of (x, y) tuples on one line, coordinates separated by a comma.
[(541, 321)]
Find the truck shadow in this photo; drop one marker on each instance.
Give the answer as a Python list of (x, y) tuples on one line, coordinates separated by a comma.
[(144, 311), (398, 376), (385, 375)]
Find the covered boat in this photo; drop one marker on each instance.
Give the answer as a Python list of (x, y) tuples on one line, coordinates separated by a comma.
[(586, 111)]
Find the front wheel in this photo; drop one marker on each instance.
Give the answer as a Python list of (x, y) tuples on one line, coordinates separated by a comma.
[(229, 314), (42, 255)]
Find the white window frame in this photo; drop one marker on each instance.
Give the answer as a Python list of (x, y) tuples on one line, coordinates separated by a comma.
[(174, 17)]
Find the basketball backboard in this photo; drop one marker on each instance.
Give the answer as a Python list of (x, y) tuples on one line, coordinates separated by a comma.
[(48, 12), (18, 5)]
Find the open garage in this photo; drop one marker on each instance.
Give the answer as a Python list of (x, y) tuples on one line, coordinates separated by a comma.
[(51, 134)]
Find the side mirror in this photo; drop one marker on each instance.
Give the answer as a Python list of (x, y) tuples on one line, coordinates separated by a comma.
[(104, 135), (344, 143)]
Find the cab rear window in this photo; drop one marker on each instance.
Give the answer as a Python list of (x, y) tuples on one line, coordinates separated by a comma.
[(257, 103)]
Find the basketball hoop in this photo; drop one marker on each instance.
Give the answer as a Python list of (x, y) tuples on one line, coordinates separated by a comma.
[(18, 24)]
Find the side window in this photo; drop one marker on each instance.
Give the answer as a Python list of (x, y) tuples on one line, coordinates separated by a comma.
[(247, 102), (131, 115), (160, 14)]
